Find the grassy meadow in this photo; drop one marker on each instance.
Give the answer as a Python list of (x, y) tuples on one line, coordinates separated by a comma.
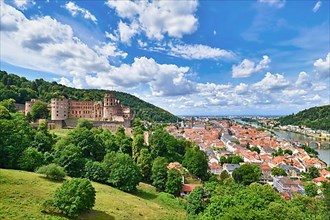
[(22, 193)]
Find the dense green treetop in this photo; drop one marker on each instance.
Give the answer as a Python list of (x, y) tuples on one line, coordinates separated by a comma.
[(20, 89), (315, 118)]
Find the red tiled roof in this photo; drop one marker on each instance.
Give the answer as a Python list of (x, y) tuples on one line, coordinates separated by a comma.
[(189, 187)]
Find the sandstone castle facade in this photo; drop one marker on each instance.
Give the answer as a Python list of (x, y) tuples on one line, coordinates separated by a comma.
[(108, 111)]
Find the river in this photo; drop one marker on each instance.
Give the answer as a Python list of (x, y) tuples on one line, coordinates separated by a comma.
[(324, 154)]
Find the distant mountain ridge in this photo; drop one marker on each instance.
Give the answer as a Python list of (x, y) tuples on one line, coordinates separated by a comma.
[(317, 118), (21, 89)]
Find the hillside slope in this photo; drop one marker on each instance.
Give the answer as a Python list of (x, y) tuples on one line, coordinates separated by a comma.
[(315, 118), (23, 192), (21, 89)]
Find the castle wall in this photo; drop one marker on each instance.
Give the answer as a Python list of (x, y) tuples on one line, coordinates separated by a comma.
[(84, 109)]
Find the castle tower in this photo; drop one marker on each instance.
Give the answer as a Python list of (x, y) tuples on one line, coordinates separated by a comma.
[(109, 104), (59, 109)]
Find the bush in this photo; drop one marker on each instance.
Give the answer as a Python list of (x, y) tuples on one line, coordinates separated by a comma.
[(52, 171), (95, 171), (74, 197), (31, 159)]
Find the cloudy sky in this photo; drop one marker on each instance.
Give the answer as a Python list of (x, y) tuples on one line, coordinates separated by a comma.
[(267, 57)]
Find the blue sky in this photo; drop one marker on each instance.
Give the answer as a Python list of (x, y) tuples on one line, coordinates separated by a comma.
[(267, 57)]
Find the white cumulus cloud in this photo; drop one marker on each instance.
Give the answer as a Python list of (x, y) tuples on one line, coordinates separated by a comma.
[(157, 18), (76, 10), (247, 67), (322, 67)]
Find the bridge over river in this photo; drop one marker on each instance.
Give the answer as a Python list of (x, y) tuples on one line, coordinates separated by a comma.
[(312, 143)]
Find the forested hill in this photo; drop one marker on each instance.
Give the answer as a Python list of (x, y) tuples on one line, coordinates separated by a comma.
[(21, 89), (315, 118)]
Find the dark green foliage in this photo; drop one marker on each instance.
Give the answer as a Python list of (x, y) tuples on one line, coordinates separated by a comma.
[(174, 182), (311, 189), (95, 171), (91, 145), (310, 150), (195, 202), (138, 144), (71, 158), (21, 90), (165, 145), (236, 159), (278, 172), (109, 141), (74, 197), (196, 162), (124, 173), (312, 173), (288, 151), (15, 136), (159, 172), (31, 159), (39, 110), (52, 171), (255, 148), (224, 175), (247, 174), (317, 118), (144, 162), (43, 140), (83, 123), (278, 152)]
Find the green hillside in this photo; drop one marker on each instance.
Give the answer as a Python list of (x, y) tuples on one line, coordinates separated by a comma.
[(315, 118), (23, 192), (21, 89)]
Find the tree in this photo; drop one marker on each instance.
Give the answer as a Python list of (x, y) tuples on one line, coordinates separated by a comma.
[(95, 171), (313, 172), (174, 182), (247, 174), (276, 171), (223, 160), (43, 140), (124, 173), (224, 175), (4, 113), (288, 151), (311, 189), (255, 148), (15, 136), (144, 162), (159, 172), (39, 110), (195, 201), (196, 162), (31, 159), (70, 157), (9, 104), (83, 123), (52, 171), (90, 144), (74, 197), (138, 144)]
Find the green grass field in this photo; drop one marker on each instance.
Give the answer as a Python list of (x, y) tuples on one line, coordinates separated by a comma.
[(22, 193)]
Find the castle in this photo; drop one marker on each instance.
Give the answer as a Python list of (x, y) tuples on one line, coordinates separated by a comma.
[(102, 113)]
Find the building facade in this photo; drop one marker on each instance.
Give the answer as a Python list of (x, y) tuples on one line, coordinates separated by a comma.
[(109, 110)]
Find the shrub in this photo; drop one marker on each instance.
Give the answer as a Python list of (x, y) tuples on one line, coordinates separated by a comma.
[(74, 197), (95, 171), (52, 171)]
